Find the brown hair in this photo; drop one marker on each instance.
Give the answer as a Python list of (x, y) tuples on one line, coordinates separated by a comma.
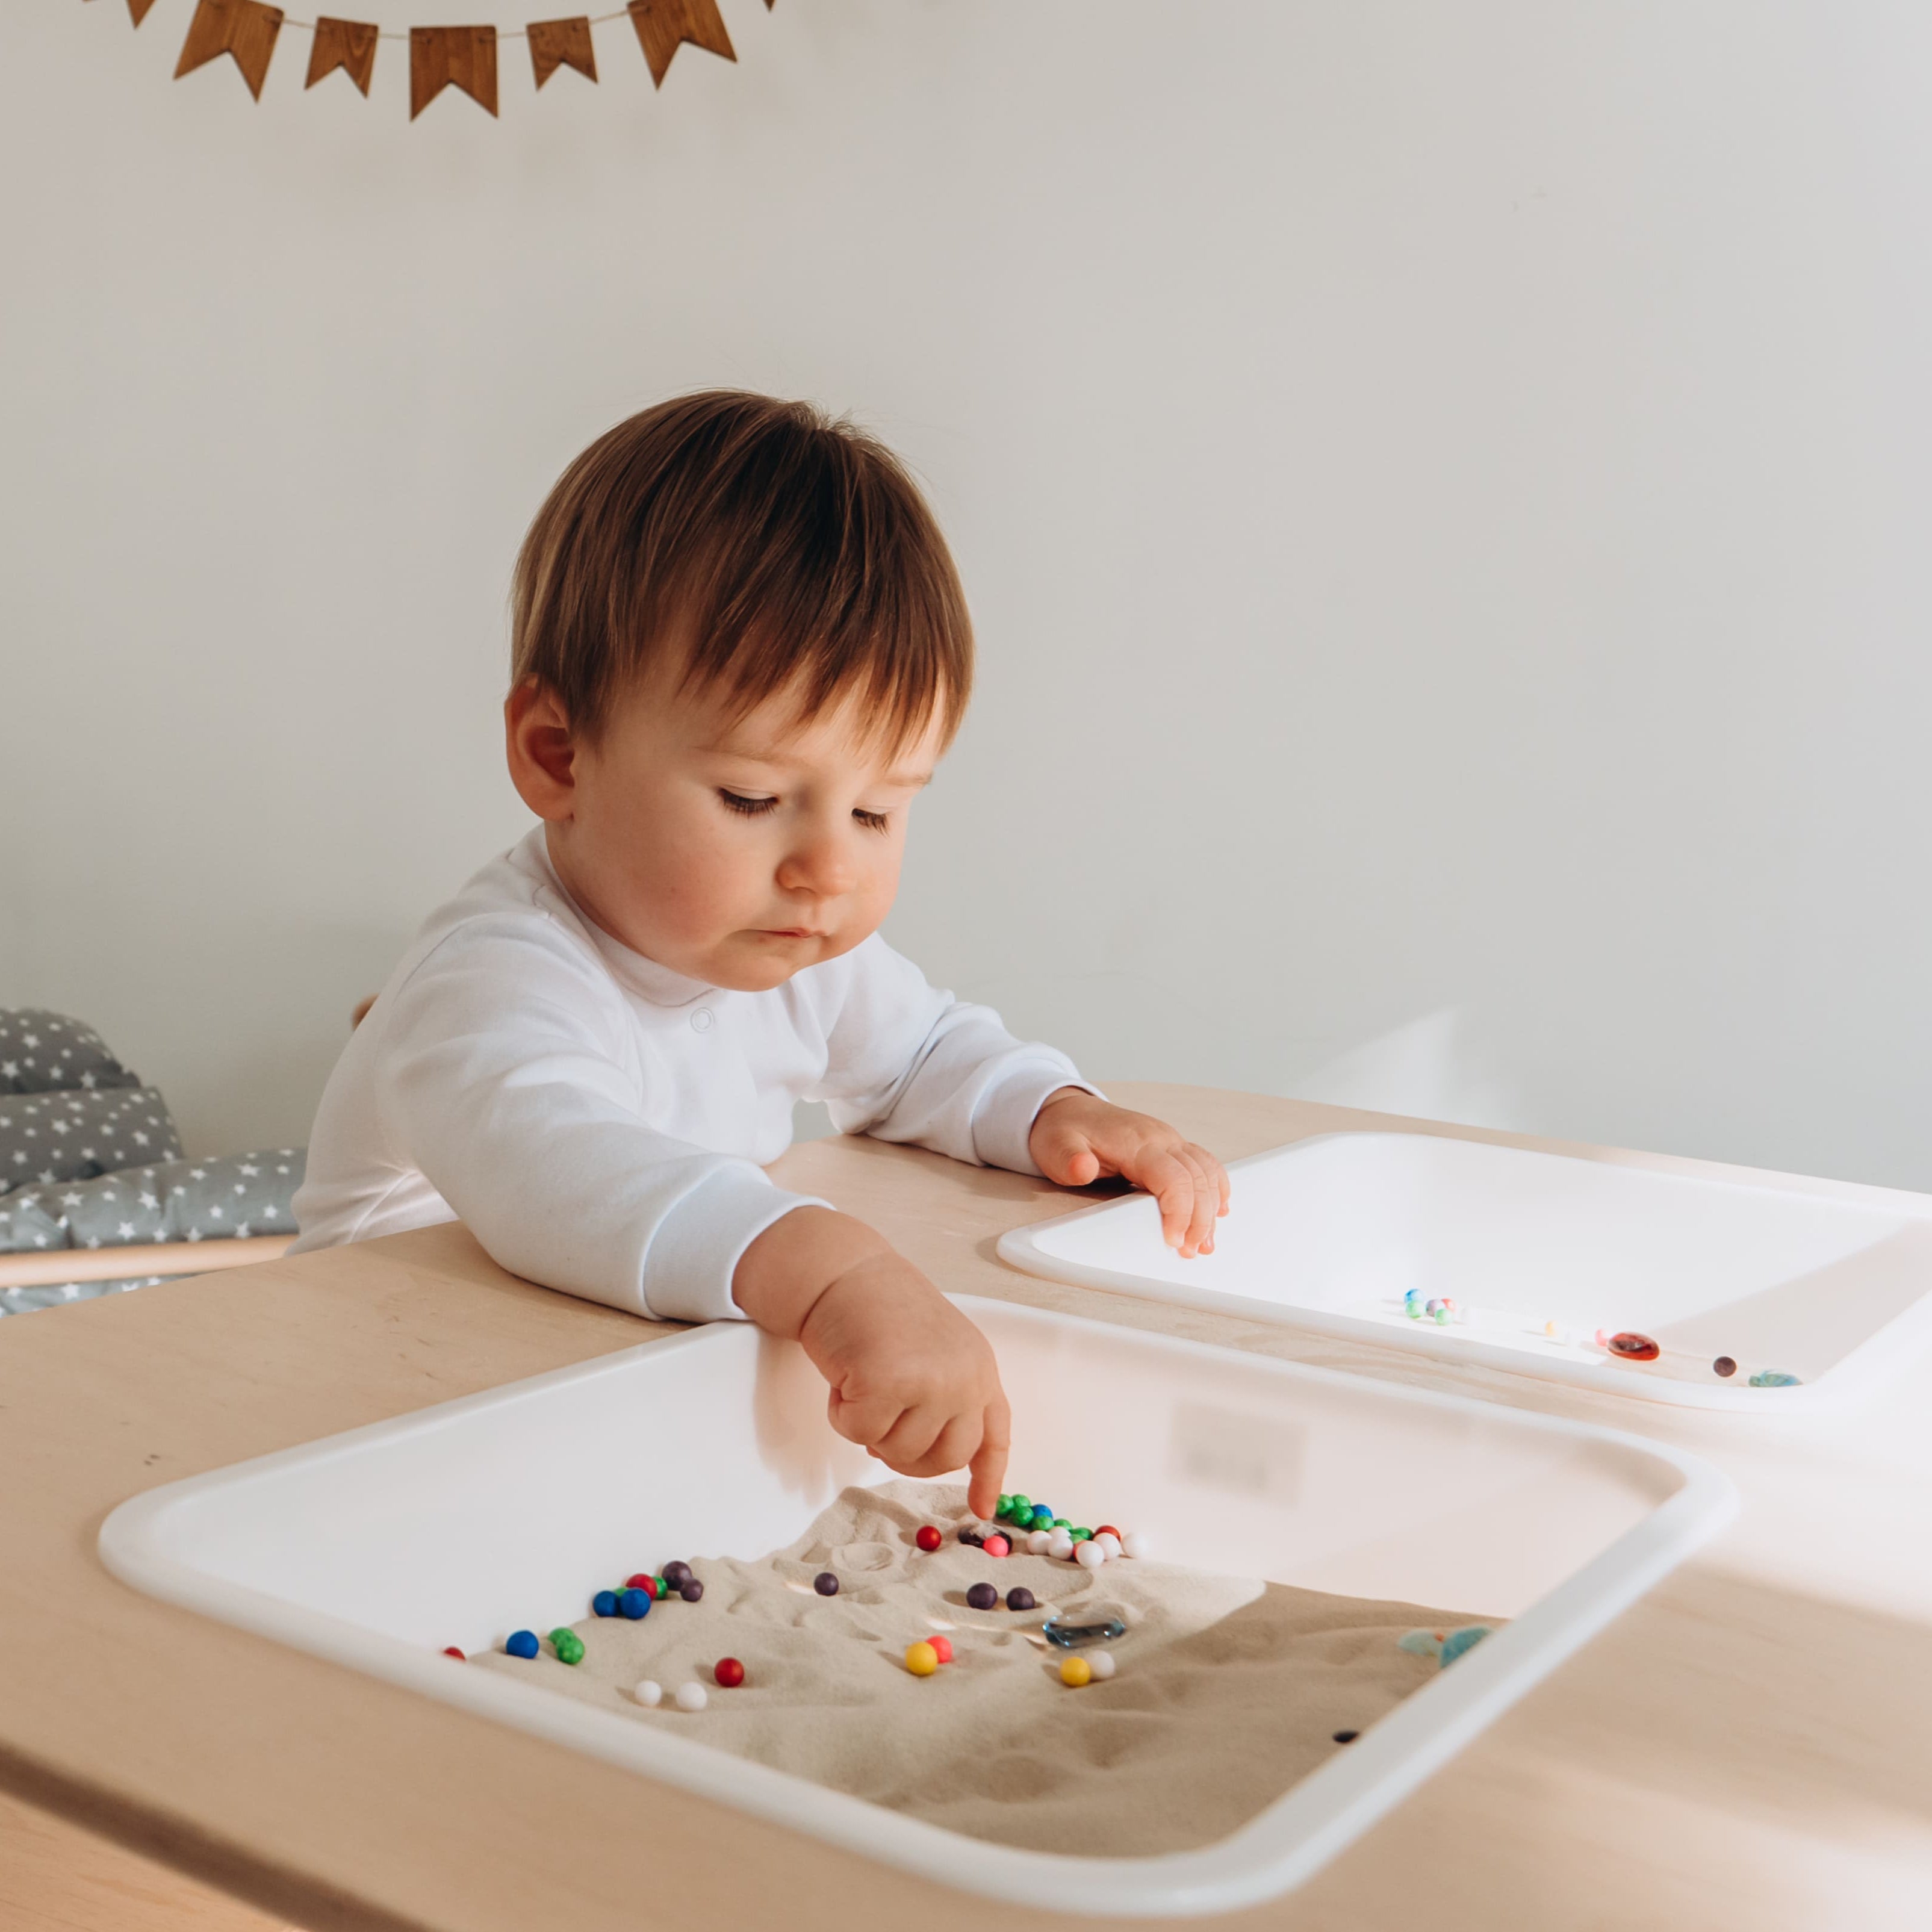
[(772, 546)]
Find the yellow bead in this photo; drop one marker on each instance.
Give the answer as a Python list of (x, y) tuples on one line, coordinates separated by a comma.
[(1076, 1671), (921, 1659)]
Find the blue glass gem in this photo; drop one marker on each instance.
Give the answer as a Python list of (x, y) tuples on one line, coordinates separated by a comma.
[(633, 1603), (1458, 1641), (1073, 1636), (1771, 1379), (521, 1643)]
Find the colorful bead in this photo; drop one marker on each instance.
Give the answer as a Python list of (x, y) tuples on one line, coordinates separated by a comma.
[(1441, 1317), (1006, 1505), (1080, 1535), (604, 1603), (645, 1582), (1411, 1307), (1724, 1365), (921, 1659), (1022, 1505), (1100, 1663), (1038, 1543), (996, 1546), (974, 1537), (450, 1650), (1042, 1515), (1772, 1378), (982, 1596), (1108, 1541), (522, 1643), (692, 1697), (826, 1584), (729, 1671), (1075, 1671), (1346, 1737), (1090, 1555), (690, 1589), (648, 1693), (568, 1644), (1633, 1347), (929, 1537), (1459, 1641), (1019, 1598), (1133, 1543), (941, 1648), (633, 1603), (1059, 1544), (676, 1573), (1107, 1529)]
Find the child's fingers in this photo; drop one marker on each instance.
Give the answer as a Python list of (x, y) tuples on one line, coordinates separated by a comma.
[(1065, 1156), (867, 1422), (1187, 1197), (989, 1460), (908, 1445)]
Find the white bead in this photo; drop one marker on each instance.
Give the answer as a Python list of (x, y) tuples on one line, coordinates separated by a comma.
[(1037, 1542), (1101, 1663), (1090, 1555), (649, 1693), (1059, 1544), (692, 1697), (1133, 1543), (1109, 1542)]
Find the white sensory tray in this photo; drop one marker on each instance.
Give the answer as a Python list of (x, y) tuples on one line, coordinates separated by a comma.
[(536, 1494), (1328, 1233)]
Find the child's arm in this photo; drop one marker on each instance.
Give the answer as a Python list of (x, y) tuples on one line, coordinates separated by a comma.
[(913, 1381), (1077, 1138)]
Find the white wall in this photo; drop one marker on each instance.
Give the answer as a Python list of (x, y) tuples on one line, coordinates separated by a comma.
[(1444, 492)]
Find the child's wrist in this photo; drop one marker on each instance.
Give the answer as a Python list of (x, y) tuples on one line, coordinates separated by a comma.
[(785, 1271)]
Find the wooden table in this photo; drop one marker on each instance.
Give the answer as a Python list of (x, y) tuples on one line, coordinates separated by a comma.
[(1750, 1747)]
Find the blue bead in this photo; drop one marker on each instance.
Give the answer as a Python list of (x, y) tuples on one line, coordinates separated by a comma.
[(521, 1643), (634, 1604), (604, 1603), (1042, 1515), (1458, 1641)]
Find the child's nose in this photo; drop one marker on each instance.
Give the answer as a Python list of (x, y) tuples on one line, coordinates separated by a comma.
[(823, 865)]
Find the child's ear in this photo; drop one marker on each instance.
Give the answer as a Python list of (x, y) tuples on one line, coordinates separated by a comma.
[(541, 751)]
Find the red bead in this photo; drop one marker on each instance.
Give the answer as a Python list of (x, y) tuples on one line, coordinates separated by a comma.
[(648, 1584), (942, 1648), (928, 1538), (730, 1672), (450, 1650), (1633, 1347), (996, 1546), (1107, 1529)]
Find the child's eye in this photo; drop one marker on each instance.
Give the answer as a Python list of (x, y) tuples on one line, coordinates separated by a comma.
[(873, 821), (751, 808)]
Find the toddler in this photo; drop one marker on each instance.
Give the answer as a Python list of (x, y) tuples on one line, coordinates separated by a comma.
[(739, 648)]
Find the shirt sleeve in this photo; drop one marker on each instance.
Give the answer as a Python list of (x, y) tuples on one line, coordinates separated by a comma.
[(909, 1062), (501, 1078)]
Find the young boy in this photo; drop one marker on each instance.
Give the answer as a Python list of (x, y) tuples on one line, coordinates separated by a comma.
[(739, 647)]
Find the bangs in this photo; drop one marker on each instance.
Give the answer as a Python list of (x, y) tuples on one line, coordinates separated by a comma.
[(760, 550)]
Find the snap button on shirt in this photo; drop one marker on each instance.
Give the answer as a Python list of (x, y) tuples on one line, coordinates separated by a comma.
[(700, 1020)]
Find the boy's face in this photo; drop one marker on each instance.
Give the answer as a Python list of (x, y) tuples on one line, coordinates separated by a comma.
[(733, 853)]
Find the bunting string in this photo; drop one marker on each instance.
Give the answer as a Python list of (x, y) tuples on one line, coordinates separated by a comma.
[(463, 57)]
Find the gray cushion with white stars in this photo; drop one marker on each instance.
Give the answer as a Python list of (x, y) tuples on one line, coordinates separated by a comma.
[(48, 1138), (25, 1300), (235, 1197), (42, 1052)]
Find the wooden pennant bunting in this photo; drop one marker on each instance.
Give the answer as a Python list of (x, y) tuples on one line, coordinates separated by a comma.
[(440, 57), (664, 25), (556, 43), (350, 45), (139, 8), (244, 29)]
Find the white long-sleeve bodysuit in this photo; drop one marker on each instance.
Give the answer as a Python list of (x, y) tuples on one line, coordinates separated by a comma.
[(599, 1121)]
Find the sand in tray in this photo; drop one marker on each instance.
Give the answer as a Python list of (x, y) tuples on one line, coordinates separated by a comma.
[(1229, 1690)]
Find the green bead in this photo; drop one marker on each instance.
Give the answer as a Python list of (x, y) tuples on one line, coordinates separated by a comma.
[(663, 1589), (568, 1644), (1082, 1535), (1442, 1318), (1063, 1522), (1006, 1506), (1018, 1503)]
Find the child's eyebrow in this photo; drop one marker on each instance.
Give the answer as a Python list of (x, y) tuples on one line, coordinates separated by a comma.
[(760, 753)]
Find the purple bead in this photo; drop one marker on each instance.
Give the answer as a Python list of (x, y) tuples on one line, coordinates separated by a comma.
[(826, 1584), (972, 1536), (982, 1596), (1018, 1598), (690, 1589), (676, 1574)]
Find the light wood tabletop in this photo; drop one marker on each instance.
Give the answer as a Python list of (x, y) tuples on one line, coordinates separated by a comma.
[(1750, 1747)]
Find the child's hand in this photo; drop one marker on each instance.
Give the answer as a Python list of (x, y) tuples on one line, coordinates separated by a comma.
[(913, 1381), (1077, 1138)]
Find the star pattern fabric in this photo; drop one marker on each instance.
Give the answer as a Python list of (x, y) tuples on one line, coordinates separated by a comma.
[(42, 1052), (230, 1198), (89, 1158)]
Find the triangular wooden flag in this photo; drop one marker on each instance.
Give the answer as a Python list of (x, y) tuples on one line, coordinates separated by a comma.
[(664, 25), (244, 29), (139, 8), (350, 45), (556, 43), (440, 57)]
